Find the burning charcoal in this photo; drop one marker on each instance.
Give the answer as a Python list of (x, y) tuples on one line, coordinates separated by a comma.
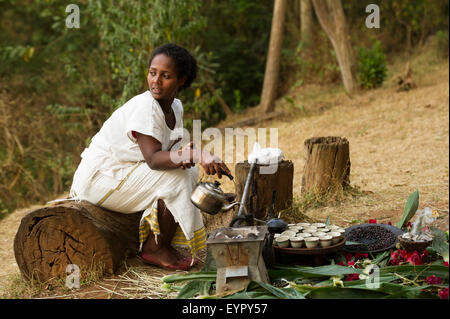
[(252, 236)]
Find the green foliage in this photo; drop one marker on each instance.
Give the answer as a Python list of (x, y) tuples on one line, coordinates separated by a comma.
[(238, 35), (412, 203), (316, 283), (371, 66), (440, 243), (130, 30)]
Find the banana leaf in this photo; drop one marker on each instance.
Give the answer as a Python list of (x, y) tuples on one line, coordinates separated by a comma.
[(293, 273), (202, 275), (285, 293), (345, 293), (412, 203), (262, 294), (386, 291), (422, 271), (381, 259), (193, 288)]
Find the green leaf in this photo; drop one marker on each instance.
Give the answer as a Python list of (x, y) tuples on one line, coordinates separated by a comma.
[(189, 290), (327, 222), (286, 293), (412, 203), (202, 275), (439, 244), (382, 258), (422, 271), (345, 293), (293, 273)]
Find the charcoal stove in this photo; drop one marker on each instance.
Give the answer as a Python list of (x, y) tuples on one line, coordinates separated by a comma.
[(237, 252)]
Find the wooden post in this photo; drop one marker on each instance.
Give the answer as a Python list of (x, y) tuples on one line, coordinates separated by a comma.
[(327, 164), (262, 187), (53, 237)]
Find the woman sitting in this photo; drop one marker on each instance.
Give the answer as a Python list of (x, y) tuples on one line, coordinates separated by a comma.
[(129, 166)]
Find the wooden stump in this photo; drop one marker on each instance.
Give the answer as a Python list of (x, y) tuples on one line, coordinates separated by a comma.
[(327, 164), (262, 187), (53, 237)]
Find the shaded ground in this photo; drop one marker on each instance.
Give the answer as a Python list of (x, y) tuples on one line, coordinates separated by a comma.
[(399, 142)]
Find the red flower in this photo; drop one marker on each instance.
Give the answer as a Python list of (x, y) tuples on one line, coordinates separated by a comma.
[(414, 258), (394, 258), (404, 254), (348, 257), (433, 280), (389, 223), (424, 255), (341, 263), (372, 221), (446, 263), (352, 277), (351, 263), (443, 294), (409, 225)]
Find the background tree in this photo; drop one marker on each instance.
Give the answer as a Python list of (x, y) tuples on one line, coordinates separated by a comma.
[(332, 19), (306, 21), (271, 78)]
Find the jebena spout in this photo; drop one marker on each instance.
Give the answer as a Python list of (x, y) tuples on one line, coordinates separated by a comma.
[(228, 207)]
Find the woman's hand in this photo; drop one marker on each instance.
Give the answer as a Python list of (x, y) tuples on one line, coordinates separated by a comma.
[(213, 164)]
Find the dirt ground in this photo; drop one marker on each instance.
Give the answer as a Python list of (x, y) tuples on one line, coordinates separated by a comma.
[(399, 142)]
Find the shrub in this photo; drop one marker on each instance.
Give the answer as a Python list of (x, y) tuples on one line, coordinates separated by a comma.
[(371, 66)]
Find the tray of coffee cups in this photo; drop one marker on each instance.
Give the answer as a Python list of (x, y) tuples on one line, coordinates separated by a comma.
[(309, 239)]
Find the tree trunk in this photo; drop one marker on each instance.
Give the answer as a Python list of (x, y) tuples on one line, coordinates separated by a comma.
[(327, 165), (262, 187), (271, 74), (332, 19), (306, 21), (53, 237)]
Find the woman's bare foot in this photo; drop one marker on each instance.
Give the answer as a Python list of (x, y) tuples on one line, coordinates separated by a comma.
[(165, 258)]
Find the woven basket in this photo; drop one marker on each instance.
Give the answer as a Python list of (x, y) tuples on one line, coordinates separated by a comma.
[(411, 246)]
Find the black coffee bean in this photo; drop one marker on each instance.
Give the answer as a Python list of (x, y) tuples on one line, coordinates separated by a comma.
[(373, 237)]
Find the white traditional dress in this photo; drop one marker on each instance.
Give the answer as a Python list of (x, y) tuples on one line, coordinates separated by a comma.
[(113, 173)]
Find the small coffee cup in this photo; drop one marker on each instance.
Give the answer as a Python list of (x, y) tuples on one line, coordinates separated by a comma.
[(305, 235), (311, 242), (288, 233), (335, 237), (297, 242), (282, 241), (325, 241)]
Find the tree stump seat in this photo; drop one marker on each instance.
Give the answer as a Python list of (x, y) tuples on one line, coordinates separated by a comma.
[(51, 238)]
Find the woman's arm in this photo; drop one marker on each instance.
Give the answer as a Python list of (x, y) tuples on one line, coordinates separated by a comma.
[(154, 157), (158, 160)]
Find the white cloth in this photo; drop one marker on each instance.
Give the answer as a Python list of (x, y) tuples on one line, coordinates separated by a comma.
[(112, 161), (265, 156), (143, 187)]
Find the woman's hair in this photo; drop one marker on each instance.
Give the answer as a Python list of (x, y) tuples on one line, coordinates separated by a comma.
[(185, 63)]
